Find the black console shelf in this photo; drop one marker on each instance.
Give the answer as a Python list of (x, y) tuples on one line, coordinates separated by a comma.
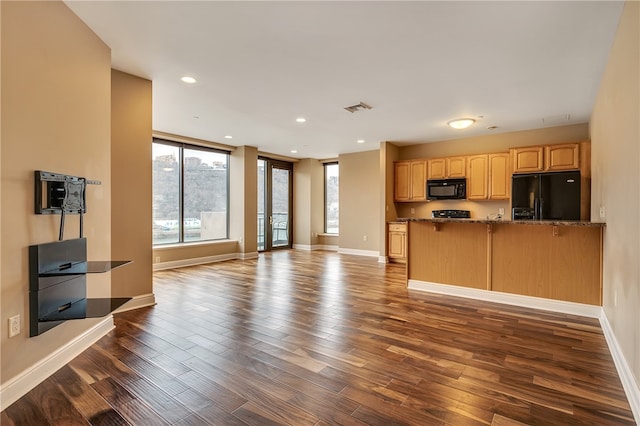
[(58, 285)]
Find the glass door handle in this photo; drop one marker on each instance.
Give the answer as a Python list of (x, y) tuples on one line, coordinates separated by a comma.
[(270, 220)]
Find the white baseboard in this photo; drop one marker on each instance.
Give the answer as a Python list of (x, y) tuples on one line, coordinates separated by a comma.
[(18, 386), (247, 256), (383, 259), (195, 261), (313, 247), (631, 387), (305, 247), (591, 311), (370, 253), (136, 302)]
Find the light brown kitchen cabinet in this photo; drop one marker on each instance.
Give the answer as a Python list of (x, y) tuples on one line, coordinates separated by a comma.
[(488, 176), (397, 242), (562, 157), (410, 179), (499, 176), (547, 158), (449, 167), (477, 175), (528, 159), (437, 168), (456, 167)]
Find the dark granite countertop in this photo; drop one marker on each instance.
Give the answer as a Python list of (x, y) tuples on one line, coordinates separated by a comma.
[(503, 221)]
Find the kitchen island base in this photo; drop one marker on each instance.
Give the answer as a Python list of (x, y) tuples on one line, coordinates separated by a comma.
[(550, 260)]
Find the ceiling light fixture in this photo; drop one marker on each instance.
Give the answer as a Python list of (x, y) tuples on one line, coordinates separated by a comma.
[(461, 123), (228, 137), (187, 79), (301, 119), (293, 151), (360, 141)]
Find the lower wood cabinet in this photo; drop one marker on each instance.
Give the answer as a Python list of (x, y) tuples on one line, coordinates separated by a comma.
[(397, 242)]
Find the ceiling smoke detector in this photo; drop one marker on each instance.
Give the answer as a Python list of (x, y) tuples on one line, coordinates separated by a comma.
[(354, 108)]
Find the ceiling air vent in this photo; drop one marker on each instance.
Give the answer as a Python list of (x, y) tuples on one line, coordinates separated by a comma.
[(556, 119), (354, 108)]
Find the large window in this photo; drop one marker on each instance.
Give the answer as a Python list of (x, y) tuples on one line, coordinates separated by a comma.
[(190, 193), (331, 199)]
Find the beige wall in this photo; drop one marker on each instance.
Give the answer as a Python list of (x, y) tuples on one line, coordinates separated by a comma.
[(243, 198), (360, 201), (131, 228), (481, 145), (499, 142), (308, 202), (615, 136), (56, 89)]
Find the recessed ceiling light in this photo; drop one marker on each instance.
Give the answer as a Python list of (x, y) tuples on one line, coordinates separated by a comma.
[(187, 79), (228, 137), (461, 123), (294, 151), (301, 119), (360, 141)]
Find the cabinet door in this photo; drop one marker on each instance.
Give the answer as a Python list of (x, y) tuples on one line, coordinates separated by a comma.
[(418, 191), (437, 168), (527, 159), (401, 181), (477, 178), (562, 157), (456, 167), (397, 245), (499, 176)]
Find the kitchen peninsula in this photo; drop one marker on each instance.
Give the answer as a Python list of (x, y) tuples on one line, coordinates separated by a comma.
[(559, 260)]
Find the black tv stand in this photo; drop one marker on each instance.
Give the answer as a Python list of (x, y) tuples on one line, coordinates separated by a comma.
[(58, 285)]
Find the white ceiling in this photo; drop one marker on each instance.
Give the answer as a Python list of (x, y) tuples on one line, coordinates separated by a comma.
[(260, 65)]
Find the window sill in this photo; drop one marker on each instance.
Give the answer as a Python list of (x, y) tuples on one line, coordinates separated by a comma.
[(324, 234), (192, 244)]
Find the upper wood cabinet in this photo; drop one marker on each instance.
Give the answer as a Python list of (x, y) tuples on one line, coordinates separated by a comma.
[(437, 168), (488, 177), (499, 176), (449, 167), (477, 177), (410, 179), (529, 159), (456, 167), (562, 157)]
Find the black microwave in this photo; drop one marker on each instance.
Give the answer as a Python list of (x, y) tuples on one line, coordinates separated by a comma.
[(446, 189)]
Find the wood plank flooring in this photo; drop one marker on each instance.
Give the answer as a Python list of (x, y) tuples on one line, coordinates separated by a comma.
[(320, 338)]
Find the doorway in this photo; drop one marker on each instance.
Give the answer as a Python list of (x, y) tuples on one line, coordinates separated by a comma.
[(275, 204)]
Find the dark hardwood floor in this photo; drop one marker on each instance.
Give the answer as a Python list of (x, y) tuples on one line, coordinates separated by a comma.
[(320, 338)]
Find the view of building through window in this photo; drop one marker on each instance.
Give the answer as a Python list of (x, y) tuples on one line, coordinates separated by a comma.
[(199, 178), (331, 198)]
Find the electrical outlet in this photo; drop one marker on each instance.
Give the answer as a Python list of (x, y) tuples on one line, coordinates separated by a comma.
[(364, 238), (14, 325), (413, 211), (602, 212), (157, 259), (501, 212)]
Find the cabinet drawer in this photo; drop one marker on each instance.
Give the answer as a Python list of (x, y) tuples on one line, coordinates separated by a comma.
[(398, 227)]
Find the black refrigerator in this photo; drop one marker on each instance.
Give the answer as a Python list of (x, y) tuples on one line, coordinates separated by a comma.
[(546, 196)]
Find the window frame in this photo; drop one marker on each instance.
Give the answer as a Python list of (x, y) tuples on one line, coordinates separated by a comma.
[(324, 166), (181, 147)]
